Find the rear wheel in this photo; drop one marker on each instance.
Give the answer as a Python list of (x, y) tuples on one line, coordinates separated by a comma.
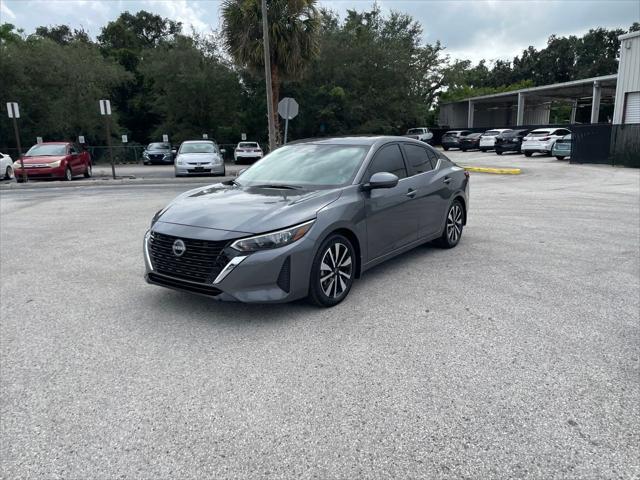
[(528, 154), (483, 150), (8, 174), (19, 179), (453, 226), (68, 175), (446, 148), (332, 272), (88, 172), (499, 152), (463, 149)]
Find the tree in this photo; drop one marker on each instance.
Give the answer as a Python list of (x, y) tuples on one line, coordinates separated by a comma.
[(62, 34), (293, 37)]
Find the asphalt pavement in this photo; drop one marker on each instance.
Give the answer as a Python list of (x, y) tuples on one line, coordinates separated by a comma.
[(514, 355)]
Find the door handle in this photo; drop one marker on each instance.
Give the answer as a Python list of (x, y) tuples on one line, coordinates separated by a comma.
[(411, 193), (447, 180)]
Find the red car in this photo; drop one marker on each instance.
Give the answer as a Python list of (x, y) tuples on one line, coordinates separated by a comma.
[(54, 160)]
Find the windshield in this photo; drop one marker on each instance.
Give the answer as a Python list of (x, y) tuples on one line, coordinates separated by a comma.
[(491, 133), (47, 150), (197, 147), (247, 145), (159, 146), (539, 133), (306, 165), (414, 131)]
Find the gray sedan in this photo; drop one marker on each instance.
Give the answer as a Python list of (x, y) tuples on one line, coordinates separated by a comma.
[(308, 219), (199, 157)]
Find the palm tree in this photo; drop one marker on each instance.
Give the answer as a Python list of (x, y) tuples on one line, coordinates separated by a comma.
[(294, 26)]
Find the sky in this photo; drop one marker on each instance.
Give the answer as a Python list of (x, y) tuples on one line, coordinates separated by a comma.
[(469, 29)]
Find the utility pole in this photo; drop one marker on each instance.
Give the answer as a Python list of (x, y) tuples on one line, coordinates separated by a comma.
[(105, 111), (14, 113), (267, 75)]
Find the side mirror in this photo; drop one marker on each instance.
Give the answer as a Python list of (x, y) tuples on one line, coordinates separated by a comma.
[(382, 180)]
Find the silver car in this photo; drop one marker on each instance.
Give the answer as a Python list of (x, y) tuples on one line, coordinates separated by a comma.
[(199, 157), (307, 220)]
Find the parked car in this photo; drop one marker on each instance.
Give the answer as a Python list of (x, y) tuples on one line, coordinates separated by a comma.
[(307, 220), (509, 141), (158, 153), (199, 157), (451, 139), (488, 138), (470, 142), (6, 166), (247, 152), (562, 148), (421, 133), (54, 160), (542, 140)]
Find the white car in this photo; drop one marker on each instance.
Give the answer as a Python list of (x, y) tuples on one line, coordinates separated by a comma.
[(542, 140), (421, 133), (6, 166), (247, 152), (488, 138)]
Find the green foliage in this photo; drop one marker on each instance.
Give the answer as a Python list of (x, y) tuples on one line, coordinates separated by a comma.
[(57, 87)]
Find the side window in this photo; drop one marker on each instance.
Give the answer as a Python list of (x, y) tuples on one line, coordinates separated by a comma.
[(72, 149), (433, 156), (388, 159), (418, 158)]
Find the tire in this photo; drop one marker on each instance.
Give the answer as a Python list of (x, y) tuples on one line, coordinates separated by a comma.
[(88, 171), (446, 149), (8, 173), (453, 226), (528, 154), (19, 180), (499, 152), (68, 175), (329, 289), (483, 150), (463, 149), (560, 157)]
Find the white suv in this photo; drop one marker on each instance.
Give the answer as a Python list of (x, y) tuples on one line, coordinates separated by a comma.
[(422, 133), (542, 140), (488, 138)]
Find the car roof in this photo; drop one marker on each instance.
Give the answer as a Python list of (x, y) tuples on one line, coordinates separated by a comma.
[(54, 143), (368, 140), (198, 141)]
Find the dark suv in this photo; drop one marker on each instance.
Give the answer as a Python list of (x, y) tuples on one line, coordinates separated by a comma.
[(510, 141), (159, 152), (451, 139)]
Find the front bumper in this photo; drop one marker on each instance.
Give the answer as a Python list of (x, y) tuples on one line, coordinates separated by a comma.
[(268, 276), (561, 150), (204, 169), (41, 172), (507, 147), (247, 156)]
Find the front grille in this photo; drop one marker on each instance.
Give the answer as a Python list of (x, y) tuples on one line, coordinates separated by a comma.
[(156, 156), (201, 262), (191, 287)]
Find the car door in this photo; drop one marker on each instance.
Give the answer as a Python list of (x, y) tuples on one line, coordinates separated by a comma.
[(74, 159), (391, 224), (427, 202)]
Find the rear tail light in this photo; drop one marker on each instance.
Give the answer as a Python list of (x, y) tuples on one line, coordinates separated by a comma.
[(466, 174), (544, 139)]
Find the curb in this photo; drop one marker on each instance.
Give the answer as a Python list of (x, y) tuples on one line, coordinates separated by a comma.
[(498, 171)]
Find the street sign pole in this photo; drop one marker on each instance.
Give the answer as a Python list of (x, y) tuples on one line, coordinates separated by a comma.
[(267, 75), (13, 110), (286, 125), (15, 129), (105, 110), (288, 109)]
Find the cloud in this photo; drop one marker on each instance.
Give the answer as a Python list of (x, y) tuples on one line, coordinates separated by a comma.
[(200, 16), (6, 12)]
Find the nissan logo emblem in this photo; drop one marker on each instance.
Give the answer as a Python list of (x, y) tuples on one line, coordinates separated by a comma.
[(179, 248)]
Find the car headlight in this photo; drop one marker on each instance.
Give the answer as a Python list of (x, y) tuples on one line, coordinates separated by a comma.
[(55, 164), (178, 161), (274, 239), (145, 154)]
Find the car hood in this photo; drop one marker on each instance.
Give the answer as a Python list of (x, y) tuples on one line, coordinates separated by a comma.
[(42, 159), (156, 152), (246, 209), (196, 157)]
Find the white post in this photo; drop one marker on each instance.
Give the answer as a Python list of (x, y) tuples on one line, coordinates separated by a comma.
[(595, 102), (520, 115), (470, 114)]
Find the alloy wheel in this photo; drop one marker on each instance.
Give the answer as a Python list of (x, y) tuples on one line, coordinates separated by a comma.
[(454, 223), (336, 270)]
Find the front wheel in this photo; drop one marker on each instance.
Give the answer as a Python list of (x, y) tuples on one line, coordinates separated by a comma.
[(483, 150), (528, 154), (332, 272), (499, 152), (68, 175), (453, 226), (88, 171), (8, 174), (446, 148), (560, 157)]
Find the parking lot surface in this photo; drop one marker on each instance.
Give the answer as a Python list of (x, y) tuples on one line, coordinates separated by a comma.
[(515, 355)]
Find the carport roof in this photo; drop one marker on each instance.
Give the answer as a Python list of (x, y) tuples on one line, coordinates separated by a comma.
[(573, 89)]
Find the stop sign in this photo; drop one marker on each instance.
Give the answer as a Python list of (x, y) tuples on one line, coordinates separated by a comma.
[(288, 108)]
